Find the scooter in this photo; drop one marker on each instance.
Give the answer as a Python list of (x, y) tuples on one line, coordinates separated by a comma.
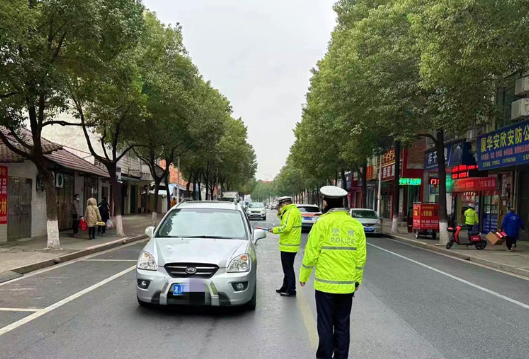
[(467, 239)]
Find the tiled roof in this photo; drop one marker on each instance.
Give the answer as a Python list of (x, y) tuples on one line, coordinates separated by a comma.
[(55, 153), (25, 135)]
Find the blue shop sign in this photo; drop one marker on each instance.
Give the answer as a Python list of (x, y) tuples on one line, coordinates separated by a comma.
[(457, 153), (505, 147)]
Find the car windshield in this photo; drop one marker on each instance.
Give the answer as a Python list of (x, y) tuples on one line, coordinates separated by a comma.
[(364, 213), (257, 205), (308, 209), (203, 223)]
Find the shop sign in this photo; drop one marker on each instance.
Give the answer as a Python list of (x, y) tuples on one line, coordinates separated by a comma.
[(457, 153), (388, 157), (369, 173), (4, 178), (388, 172), (508, 146), (410, 181), (434, 183), (475, 184), (426, 216)]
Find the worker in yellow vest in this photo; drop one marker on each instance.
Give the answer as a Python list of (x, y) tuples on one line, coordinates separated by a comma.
[(337, 247), (289, 239), (471, 217)]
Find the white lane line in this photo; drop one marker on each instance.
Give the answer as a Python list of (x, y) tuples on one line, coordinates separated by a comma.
[(523, 305), (111, 260), (80, 259), (19, 310), (40, 313)]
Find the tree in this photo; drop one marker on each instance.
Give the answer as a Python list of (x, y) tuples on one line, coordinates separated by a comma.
[(50, 42)]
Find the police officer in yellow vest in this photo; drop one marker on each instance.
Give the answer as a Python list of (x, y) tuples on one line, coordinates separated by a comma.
[(337, 247), (289, 238), (471, 217)]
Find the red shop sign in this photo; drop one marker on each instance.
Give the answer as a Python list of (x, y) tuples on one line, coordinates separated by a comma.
[(4, 177), (475, 184)]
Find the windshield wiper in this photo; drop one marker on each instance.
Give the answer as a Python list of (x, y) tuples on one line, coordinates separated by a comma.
[(214, 237)]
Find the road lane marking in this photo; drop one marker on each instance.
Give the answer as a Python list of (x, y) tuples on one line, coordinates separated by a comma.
[(80, 259), (60, 303), (308, 320), (19, 310), (523, 305), (457, 258), (110, 260)]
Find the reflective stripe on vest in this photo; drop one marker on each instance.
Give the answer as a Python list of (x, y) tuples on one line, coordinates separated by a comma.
[(308, 267), (340, 248), (289, 245), (334, 281)]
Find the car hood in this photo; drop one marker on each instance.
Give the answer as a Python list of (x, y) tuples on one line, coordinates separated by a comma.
[(367, 220), (197, 250)]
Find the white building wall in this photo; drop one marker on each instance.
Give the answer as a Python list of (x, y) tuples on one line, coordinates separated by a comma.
[(38, 199)]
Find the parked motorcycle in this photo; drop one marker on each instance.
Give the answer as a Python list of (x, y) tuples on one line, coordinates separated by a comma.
[(465, 238)]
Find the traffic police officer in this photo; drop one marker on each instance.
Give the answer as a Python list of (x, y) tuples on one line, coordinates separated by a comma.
[(337, 247), (289, 239)]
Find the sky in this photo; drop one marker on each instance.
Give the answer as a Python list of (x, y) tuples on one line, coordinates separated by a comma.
[(258, 53)]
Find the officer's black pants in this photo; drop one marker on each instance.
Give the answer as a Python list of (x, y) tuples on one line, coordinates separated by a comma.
[(334, 314), (289, 279)]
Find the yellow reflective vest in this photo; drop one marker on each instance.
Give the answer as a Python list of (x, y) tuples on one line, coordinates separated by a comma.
[(471, 217), (337, 247), (290, 229)]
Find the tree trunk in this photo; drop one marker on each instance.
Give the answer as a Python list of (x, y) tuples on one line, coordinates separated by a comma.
[(188, 184), (199, 191), (395, 203), (52, 225), (169, 195), (364, 185), (344, 186), (441, 167)]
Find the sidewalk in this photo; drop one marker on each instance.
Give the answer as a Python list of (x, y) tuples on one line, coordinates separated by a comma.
[(493, 256), (18, 254)]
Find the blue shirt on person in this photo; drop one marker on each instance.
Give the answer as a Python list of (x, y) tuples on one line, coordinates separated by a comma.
[(511, 224)]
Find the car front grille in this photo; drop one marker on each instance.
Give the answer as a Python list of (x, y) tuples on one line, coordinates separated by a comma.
[(178, 270), (369, 224)]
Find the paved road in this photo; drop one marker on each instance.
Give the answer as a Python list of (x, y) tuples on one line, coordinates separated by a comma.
[(413, 304)]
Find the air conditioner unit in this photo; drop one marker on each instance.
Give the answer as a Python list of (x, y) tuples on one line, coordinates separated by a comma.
[(472, 134), (520, 109), (59, 180), (522, 86)]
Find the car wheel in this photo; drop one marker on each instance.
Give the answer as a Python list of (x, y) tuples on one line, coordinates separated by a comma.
[(144, 304), (252, 304)]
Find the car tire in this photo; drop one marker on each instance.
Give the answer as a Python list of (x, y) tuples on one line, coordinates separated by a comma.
[(252, 304), (144, 304)]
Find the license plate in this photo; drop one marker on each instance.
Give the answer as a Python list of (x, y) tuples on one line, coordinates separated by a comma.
[(179, 289), (307, 218), (368, 229)]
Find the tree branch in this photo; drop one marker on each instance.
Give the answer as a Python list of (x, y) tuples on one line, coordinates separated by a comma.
[(13, 148), (9, 94), (125, 152), (64, 123), (431, 137), (86, 135)]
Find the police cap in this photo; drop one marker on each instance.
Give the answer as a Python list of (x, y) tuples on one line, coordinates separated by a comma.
[(333, 192), (284, 199)]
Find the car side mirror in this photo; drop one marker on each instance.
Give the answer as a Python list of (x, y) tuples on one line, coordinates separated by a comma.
[(149, 231), (258, 234)]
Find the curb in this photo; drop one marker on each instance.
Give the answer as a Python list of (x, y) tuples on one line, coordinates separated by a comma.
[(485, 262), (68, 257)]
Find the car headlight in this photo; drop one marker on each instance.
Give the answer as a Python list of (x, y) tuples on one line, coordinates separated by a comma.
[(240, 264), (147, 262)]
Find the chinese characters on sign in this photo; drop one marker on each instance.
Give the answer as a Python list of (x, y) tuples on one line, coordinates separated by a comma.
[(426, 216), (4, 176), (475, 184), (410, 181), (505, 147)]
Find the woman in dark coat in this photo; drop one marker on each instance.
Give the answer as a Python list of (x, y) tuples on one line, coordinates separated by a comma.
[(104, 210)]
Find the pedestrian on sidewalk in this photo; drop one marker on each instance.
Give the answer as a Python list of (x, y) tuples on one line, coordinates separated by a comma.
[(104, 211), (337, 246), (511, 225), (289, 239), (173, 202), (471, 217), (75, 211), (92, 216)]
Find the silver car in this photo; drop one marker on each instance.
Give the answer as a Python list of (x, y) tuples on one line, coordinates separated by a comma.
[(256, 210), (201, 253), (369, 219)]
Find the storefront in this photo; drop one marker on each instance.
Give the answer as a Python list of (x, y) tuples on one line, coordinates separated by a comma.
[(504, 153)]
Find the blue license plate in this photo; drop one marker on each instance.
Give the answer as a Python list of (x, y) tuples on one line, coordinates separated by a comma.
[(307, 218), (178, 289), (368, 229)]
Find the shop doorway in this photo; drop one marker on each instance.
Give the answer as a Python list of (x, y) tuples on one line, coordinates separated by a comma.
[(19, 208)]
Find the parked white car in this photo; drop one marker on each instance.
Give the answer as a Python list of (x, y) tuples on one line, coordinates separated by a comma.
[(309, 215), (369, 219)]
